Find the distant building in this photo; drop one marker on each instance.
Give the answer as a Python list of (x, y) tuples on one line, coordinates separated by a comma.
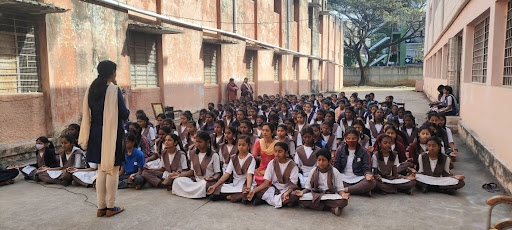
[(468, 45), (179, 53)]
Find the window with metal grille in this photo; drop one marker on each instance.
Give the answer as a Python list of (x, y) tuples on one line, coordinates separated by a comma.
[(143, 60), (210, 64), (480, 50), (507, 71), (249, 65), (294, 66), (276, 67), (19, 59)]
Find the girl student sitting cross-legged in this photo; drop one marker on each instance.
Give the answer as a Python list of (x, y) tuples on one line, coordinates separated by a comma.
[(205, 169), (353, 162), (305, 156), (434, 170), (173, 162), (385, 163), (241, 167), (45, 159), (280, 180), (324, 187), (70, 156), (229, 148)]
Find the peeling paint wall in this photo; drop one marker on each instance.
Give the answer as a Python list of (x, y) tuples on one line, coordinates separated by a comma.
[(77, 40)]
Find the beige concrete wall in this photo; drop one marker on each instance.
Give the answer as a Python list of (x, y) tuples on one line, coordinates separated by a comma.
[(482, 107), (384, 76)]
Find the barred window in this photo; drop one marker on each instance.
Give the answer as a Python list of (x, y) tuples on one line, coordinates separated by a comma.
[(480, 50), (210, 53), (276, 67), (294, 66), (507, 71), (143, 59), (19, 58), (249, 65)]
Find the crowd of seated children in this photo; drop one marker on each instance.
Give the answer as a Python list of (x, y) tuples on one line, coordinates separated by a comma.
[(276, 150)]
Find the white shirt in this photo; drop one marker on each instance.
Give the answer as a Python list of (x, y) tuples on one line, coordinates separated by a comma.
[(375, 163), (334, 144), (270, 175), (212, 168), (305, 169), (348, 171), (181, 166), (239, 180), (322, 180), (151, 134), (433, 164)]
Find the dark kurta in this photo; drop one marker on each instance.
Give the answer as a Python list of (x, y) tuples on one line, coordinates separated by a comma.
[(95, 136)]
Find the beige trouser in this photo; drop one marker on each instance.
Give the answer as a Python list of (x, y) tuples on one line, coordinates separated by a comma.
[(106, 188)]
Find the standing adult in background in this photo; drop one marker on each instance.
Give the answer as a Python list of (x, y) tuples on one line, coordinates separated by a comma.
[(232, 90), (102, 134), (247, 89)]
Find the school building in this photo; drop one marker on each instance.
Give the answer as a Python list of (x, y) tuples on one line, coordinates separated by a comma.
[(468, 45), (179, 53)]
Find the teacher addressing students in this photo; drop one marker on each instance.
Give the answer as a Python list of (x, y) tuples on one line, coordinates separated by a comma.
[(102, 134)]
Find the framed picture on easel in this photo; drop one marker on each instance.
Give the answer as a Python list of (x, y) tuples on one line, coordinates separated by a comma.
[(158, 108)]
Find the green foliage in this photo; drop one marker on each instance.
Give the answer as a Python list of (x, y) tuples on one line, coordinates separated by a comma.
[(375, 19)]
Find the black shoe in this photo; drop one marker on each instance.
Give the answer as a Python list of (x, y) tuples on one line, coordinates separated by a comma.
[(65, 182), (214, 197), (245, 201), (28, 178), (423, 189), (258, 201)]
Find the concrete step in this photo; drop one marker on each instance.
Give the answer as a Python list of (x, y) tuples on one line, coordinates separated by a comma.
[(452, 120), (454, 128)]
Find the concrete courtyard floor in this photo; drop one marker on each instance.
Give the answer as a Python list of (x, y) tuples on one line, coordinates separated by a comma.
[(28, 205)]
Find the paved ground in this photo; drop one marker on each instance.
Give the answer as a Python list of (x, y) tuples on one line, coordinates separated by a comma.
[(25, 205)]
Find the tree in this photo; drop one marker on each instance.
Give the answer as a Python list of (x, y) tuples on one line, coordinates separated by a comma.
[(370, 19)]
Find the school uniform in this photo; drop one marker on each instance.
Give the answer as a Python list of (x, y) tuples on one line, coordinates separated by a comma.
[(217, 140), (410, 134), (390, 182), (169, 163), (310, 117), (291, 145), (375, 129), (239, 169), (132, 163), (284, 116), (149, 133), (353, 168), (75, 159), (86, 178), (435, 176), (225, 153), (182, 133), (338, 131), (360, 112), (203, 166), (344, 124), (282, 176), (46, 158), (364, 141), (305, 158), (331, 143), (322, 189)]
